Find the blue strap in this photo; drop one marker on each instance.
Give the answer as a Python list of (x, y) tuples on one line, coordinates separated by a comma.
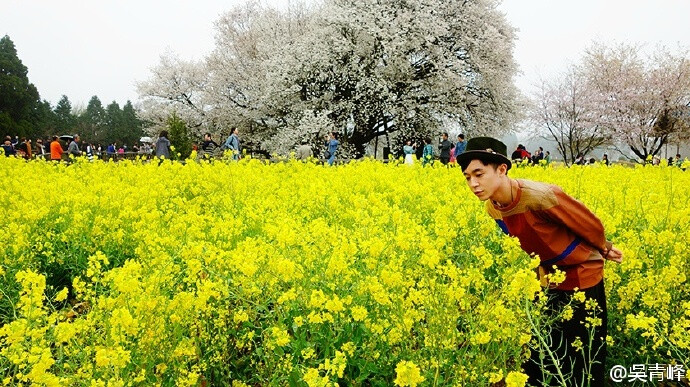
[(503, 226), (564, 254)]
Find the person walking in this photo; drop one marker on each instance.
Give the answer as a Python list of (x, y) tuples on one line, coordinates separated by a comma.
[(332, 144), (564, 233)]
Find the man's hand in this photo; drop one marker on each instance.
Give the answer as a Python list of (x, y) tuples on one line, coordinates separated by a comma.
[(613, 254)]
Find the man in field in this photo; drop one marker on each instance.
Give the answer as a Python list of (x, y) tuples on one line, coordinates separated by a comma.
[(564, 233), (73, 148), (444, 146)]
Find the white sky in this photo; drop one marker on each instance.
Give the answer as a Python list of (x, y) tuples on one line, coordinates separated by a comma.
[(103, 47)]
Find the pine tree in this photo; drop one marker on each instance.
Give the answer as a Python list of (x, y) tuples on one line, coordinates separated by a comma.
[(65, 122), (19, 98), (131, 125), (113, 123), (179, 136), (93, 121)]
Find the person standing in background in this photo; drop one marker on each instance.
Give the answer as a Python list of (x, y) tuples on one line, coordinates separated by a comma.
[(332, 147), (428, 152), (56, 149), (89, 152), (8, 148), (73, 148), (24, 149), (304, 151), (460, 145), (208, 147), (163, 146), (444, 146), (233, 144), (40, 149), (409, 150), (111, 151)]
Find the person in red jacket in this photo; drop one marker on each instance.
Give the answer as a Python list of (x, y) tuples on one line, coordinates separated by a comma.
[(564, 233), (56, 150)]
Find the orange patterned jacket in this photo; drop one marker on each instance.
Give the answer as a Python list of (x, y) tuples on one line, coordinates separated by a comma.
[(559, 229)]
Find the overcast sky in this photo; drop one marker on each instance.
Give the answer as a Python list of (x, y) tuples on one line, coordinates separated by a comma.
[(103, 47)]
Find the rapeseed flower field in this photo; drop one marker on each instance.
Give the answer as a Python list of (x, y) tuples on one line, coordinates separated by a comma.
[(249, 273)]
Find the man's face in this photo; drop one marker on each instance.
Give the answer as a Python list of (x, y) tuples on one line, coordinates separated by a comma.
[(207, 137), (482, 179), (445, 137)]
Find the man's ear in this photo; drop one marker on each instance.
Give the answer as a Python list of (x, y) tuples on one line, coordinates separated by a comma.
[(502, 169)]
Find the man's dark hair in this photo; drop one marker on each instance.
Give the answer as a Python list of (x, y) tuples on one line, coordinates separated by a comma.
[(678, 155), (465, 163), (461, 136), (164, 133), (207, 134), (427, 140), (445, 134)]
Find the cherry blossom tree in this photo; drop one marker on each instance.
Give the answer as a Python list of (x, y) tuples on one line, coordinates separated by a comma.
[(565, 109), (643, 100), (176, 87), (368, 68)]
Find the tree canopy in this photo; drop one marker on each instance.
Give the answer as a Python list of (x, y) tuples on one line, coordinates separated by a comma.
[(20, 104), (417, 66)]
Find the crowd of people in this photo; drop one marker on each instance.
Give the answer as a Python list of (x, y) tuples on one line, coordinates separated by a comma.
[(58, 148), (446, 151), (233, 144)]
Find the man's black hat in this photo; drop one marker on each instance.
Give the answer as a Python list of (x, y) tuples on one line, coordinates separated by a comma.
[(486, 149)]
